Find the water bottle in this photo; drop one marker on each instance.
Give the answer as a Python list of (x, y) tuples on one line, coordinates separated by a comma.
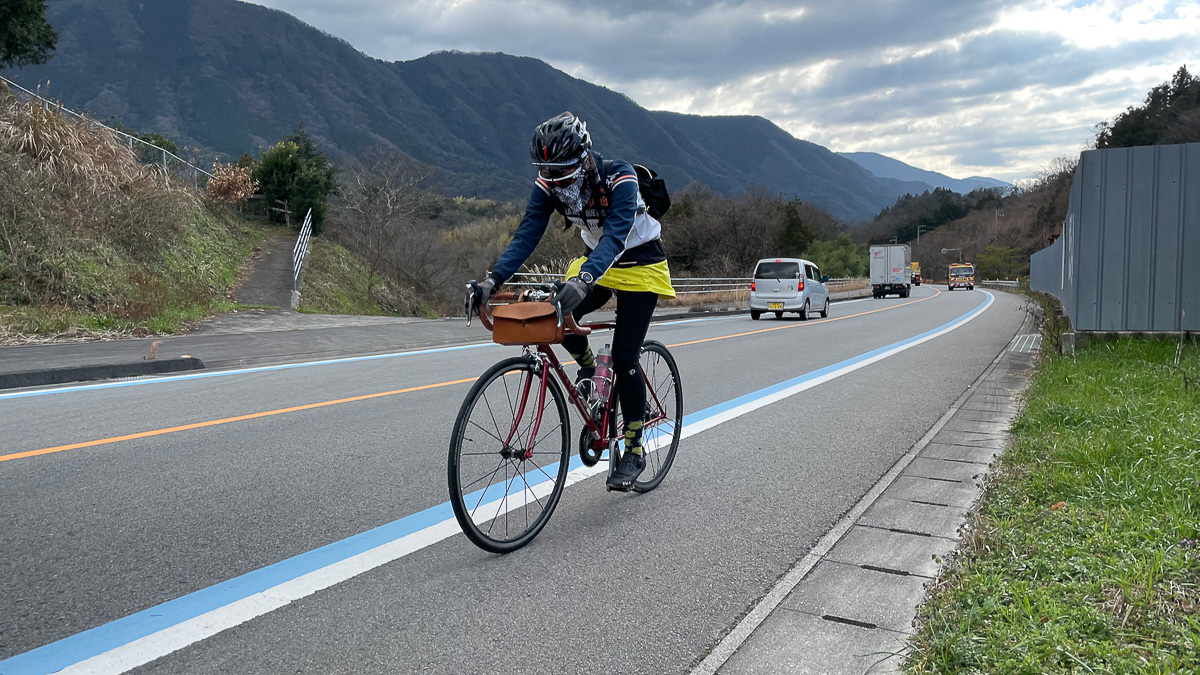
[(604, 374)]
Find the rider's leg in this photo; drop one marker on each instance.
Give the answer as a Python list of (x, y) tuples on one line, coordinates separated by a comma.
[(577, 345), (634, 310)]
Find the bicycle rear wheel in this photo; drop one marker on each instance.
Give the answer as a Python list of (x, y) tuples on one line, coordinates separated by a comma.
[(505, 476), (664, 413)]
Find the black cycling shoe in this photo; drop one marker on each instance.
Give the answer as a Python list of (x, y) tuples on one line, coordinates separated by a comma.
[(627, 471)]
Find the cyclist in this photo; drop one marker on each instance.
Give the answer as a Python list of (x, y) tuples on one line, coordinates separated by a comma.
[(624, 258)]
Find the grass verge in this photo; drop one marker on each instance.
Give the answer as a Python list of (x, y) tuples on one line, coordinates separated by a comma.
[(335, 282), (186, 282), (1084, 558)]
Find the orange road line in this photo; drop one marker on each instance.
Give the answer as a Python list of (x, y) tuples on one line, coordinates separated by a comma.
[(227, 420), (311, 406)]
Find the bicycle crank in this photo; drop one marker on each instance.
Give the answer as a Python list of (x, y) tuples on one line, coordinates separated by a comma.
[(588, 454)]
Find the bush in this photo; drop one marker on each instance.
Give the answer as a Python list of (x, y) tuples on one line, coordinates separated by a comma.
[(294, 175), (230, 184)]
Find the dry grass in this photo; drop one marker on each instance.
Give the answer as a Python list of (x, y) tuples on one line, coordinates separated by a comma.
[(717, 299), (91, 157), (94, 243)]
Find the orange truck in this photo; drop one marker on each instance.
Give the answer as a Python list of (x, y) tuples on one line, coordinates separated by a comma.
[(916, 274), (962, 275)]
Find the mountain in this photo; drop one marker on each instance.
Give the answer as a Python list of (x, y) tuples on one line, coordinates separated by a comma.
[(888, 168), (230, 77)]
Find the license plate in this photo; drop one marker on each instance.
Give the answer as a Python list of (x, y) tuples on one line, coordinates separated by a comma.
[(775, 305)]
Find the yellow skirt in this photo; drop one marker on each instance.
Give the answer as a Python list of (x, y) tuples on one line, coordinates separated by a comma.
[(655, 278)]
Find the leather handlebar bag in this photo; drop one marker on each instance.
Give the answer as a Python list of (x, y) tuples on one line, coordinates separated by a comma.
[(526, 323)]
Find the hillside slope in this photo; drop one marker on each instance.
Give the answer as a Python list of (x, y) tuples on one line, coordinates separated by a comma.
[(232, 77)]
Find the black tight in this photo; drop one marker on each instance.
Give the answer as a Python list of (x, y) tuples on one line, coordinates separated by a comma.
[(634, 309)]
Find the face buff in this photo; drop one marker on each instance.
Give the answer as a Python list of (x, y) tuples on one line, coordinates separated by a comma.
[(574, 196)]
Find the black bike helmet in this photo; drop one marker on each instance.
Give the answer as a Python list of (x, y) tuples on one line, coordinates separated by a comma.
[(562, 139)]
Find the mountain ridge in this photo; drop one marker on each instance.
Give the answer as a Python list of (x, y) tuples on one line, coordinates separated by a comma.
[(233, 77), (889, 168)]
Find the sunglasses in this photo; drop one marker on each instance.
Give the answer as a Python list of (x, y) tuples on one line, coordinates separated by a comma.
[(560, 176)]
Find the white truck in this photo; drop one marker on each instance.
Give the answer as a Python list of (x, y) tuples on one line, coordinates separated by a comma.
[(891, 270)]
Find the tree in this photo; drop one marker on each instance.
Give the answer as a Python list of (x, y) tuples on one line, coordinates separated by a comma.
[(1001, 262), (379, 212), (26, 38), (160, 141), (1171, 114), (796, 235), (294, 172)]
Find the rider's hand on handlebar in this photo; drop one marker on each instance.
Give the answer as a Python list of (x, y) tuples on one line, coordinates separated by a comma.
[(571, 294), (482, 293)]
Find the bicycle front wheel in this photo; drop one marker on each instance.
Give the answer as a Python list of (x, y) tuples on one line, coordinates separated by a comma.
[(664, 413), (509, 456)]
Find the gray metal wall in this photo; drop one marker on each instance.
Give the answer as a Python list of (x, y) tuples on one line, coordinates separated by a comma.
[(1129, 255)]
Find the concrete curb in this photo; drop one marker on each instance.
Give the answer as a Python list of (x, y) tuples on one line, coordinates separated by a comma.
[(40, 378)]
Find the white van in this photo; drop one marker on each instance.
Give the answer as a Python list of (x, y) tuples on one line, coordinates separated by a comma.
[(788, 285)]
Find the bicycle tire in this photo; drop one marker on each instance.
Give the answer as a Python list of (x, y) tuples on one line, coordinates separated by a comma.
[(667, 389), (473, 503)]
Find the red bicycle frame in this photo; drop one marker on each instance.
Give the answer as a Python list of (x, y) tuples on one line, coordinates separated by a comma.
[(546, 357)]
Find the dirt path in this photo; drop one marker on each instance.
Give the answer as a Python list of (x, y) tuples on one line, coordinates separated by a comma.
[(270, 280)]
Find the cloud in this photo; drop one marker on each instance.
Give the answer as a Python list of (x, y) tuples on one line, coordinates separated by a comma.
[(968, 87)]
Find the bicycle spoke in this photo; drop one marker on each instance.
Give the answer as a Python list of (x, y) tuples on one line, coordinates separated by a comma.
[(486, 432), (529, 489), (493, 416), (484, 492), (517, 461), (467, 487), (508, 395)]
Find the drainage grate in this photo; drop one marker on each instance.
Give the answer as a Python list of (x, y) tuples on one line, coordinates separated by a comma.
[(1024, 344)]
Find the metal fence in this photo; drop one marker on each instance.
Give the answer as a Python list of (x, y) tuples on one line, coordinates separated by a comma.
[(682, 285), (1129, 255), (299, 254), (149, 153)]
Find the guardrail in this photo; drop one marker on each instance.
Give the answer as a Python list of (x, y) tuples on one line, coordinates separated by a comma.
[(183, 170), (1000, 282), (299, 254), (682, 285)]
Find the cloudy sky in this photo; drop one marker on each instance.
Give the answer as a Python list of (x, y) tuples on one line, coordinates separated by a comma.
[(964, 87)]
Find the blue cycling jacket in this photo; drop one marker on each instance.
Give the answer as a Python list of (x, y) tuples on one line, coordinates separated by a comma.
[(624, 234)]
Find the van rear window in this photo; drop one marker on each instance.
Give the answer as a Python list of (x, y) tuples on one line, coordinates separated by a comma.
[(777, 270)]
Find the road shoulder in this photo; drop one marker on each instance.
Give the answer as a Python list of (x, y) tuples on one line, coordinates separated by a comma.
[(848, 606)]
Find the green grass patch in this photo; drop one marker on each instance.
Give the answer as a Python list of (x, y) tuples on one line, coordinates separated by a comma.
[(106, 291), (335, 282), (1084, 558)]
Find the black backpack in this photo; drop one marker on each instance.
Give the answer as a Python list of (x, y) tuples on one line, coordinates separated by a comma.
[(653, 189)]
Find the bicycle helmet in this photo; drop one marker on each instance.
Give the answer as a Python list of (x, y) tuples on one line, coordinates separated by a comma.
[(560, 140)]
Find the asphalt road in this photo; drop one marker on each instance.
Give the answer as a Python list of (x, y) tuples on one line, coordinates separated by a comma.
[(615, 583)]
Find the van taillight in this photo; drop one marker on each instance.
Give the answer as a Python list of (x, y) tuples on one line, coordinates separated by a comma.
[(800, 284), (751, 285)]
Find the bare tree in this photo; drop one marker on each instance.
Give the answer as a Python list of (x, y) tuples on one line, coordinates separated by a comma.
[(379, 213)]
